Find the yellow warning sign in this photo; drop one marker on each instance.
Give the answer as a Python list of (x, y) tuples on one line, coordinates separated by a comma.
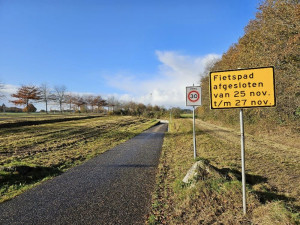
[(243, 88)]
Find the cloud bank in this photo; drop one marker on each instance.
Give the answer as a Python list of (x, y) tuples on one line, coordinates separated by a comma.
[(167, 86), (6, 92)]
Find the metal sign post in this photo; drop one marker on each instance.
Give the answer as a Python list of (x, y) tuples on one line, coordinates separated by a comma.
[(242, 88), (169, 129), (243, 161), (193, 98), (194, 134)]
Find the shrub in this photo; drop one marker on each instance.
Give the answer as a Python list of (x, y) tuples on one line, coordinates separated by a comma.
[(29, 108)]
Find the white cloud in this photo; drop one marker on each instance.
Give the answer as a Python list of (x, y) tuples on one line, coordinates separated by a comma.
[(167, 86), (9, 89), (6, 91)]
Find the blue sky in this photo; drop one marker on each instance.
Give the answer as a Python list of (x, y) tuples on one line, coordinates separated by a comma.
[(146, 51)]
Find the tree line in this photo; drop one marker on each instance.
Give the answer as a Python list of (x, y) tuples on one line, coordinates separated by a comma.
[(28, 95)]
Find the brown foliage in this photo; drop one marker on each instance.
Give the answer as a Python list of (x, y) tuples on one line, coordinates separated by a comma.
[(29, 108), (271, 39), (26, 93), (69, 100)]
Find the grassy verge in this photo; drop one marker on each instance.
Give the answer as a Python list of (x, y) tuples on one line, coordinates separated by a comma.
[(32, 154), (186, 115), (212, 200)]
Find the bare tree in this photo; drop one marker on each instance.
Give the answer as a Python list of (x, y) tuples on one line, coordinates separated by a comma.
[(92, 101), (84, 106), (112, 102), (59, 95), (99, 102), (70, 99), (79, 102), (87, 100), (46, 95)]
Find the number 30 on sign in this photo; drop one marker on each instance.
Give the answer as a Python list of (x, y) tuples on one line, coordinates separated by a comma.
[(193, 96)]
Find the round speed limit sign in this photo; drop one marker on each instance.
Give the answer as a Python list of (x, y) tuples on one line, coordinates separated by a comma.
[(193, 96)]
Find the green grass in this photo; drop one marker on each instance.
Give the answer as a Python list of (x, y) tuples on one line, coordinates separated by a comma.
[(32, 154), (211, 199), (186, 115)]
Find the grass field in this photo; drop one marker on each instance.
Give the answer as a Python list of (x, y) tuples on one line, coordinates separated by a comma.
[(31, 154), (186, 115), (218, 200), (23, 117)]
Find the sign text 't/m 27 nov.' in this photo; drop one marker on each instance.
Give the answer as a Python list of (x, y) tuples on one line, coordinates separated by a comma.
[(242, 88)]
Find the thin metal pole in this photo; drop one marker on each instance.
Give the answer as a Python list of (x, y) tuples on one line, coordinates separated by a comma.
[(243, 161), (170, 120), (194, 134)]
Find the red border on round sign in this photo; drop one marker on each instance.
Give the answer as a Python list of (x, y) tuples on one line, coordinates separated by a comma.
[(196, 99)]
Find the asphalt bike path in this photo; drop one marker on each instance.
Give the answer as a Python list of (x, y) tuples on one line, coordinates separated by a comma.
[(112, 188)]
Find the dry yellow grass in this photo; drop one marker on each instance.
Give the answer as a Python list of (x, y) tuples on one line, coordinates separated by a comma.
[(30, 154), (277, 164), (214, 200)]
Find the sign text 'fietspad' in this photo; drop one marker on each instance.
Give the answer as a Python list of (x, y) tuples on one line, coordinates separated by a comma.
[(242, 88)]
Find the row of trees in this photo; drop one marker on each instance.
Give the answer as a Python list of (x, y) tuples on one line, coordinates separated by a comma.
[(26, 95), (136, 109)]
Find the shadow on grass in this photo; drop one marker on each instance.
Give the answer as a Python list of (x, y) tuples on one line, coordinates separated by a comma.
[(264, 196), (26, 174), (236, 174)]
